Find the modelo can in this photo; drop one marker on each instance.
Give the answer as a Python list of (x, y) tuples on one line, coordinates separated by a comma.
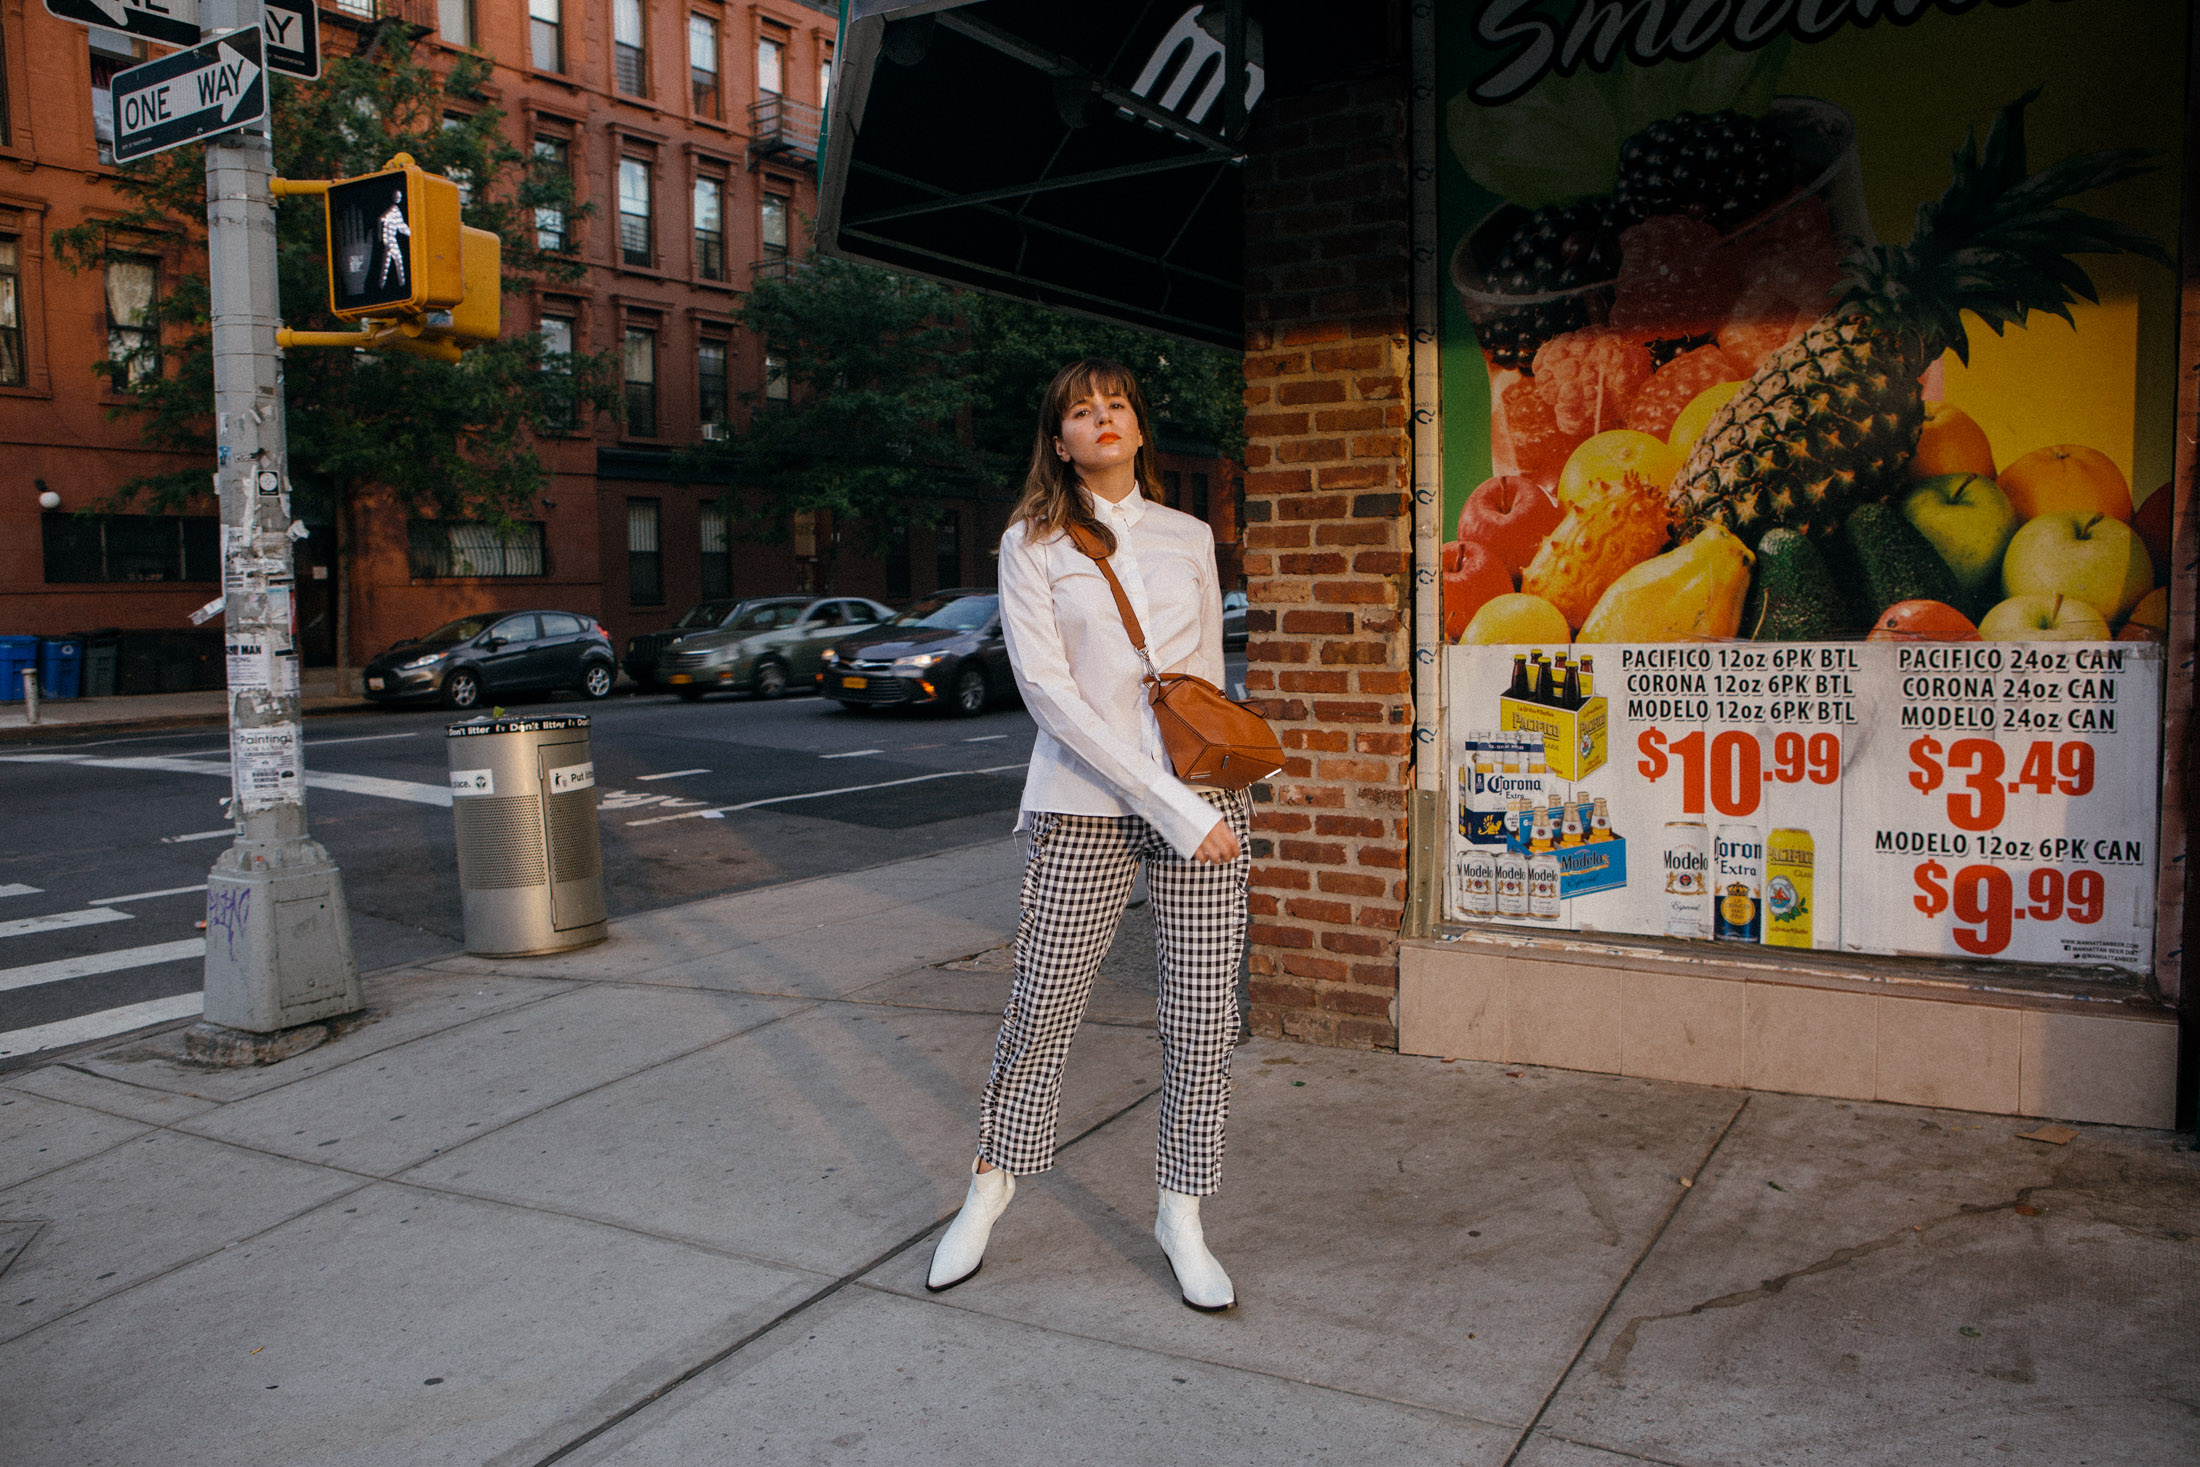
[(1686, 857), (1512, 883), (1478, 881), (1789, 857), (1737, 883)]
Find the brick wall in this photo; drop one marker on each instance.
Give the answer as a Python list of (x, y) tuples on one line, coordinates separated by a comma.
[(1328, 542)]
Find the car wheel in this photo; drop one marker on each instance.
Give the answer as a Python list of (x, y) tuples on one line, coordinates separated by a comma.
[(771, 680), (689, 695), (461, 689), (970, 693), (596, 680)]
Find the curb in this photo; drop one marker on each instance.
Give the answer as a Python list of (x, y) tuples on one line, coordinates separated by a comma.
[(24, 731)]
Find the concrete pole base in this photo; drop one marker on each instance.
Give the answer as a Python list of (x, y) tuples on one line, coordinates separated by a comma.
[(211, 1044), (278, 939)]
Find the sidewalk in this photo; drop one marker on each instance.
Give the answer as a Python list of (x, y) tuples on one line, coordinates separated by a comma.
[(670, 1201), (318, 688)]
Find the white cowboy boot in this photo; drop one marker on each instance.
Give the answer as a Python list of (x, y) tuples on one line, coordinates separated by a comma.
[(1178, 1232), (962, 1247)]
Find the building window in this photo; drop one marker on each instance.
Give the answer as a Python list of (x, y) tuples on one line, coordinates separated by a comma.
[(1199, 496), (635, 246), (897, 563), (772, 226), (131, 547), (11, 311), (710, 383), (546, 34), (557, 356), (703, 65), (455, 19), (1172, 488), (947, 564), (111, 51), (645, 561), (443, 548), (710, 228), (771, 69), (463, 177), (629, 54), (715, 532), (133, 333), (553, 160), (357, 9), (775, 377), (7, 134), (639, 354), (824, 81)]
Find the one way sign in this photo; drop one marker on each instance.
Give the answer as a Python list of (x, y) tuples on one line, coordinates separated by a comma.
[(215, 86)]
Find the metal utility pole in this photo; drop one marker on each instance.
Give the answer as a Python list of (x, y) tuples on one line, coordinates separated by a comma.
[(278, 937)]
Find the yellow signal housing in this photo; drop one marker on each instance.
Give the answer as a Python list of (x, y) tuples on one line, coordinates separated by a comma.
[(480, 314), (394, 243)]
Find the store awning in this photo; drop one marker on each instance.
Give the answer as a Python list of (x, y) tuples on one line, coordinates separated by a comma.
[(1079, 156)]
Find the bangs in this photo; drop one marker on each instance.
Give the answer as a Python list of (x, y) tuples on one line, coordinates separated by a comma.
[(1094, 379)]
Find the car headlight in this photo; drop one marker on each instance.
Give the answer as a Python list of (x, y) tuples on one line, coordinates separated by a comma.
[(428, 659), (920, 662), (830, 657)]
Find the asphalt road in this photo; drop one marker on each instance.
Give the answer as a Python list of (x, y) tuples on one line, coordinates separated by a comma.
[(108, 837)]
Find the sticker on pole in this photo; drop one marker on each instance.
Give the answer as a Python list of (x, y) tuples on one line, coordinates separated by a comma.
[(216, 86), (171, 22)]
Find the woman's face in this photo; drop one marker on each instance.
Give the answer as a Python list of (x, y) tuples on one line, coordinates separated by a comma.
[(1099, 431)]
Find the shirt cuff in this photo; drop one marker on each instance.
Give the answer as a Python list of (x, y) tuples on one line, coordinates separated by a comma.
[(1182, 817)]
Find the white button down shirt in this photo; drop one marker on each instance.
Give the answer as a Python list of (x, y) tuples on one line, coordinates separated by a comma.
[(1099, 750)]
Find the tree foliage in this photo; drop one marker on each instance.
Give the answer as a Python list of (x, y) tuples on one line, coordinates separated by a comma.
[(898, 391), (451, 440)]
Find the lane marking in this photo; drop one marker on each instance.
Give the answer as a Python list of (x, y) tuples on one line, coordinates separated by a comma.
[(55, 921), (675, 774), (17, 888), (985, 738), (176, 840), (86, 1027), (852, 754), (359, 739), (717, 812), (146, 896), (33, 974), (320, 779)]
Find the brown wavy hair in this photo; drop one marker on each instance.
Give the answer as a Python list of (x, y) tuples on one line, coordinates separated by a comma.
[(1052, 500)]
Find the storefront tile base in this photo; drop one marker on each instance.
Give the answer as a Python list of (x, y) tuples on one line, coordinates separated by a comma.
[(1674, 1014)]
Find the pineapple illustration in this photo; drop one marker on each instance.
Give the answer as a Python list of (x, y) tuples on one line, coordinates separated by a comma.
[(1830, 420)]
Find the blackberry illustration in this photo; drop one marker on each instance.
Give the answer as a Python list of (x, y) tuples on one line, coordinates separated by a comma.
[(1721, 167), (1558, 247)]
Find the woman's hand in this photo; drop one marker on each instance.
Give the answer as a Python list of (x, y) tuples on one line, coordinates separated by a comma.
[(1220, 847)]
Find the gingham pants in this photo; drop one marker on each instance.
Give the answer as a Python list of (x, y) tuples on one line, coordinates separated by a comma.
[(1075, 886)]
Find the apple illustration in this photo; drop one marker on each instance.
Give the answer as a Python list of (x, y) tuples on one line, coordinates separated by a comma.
[(2083, 554), (2149, 620), (1473, 575), (2034, 617), (1968, 520), (2155, 521), (1511, 516)]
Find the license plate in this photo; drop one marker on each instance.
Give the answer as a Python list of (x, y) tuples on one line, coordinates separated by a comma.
[(679, 677), (855, 682), (374, 685)]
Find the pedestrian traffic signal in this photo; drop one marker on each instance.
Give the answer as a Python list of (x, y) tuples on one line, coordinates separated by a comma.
[(394, 243)]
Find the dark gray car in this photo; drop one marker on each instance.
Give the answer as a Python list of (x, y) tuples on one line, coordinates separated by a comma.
[(772, 644)]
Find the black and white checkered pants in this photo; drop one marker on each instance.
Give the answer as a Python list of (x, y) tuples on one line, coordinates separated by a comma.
[(1076, 884)]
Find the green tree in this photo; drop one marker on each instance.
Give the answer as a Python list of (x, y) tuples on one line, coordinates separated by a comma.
[(891, 391), (443, 441)]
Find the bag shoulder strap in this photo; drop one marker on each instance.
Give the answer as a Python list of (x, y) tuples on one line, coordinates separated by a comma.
[(1092, 545)]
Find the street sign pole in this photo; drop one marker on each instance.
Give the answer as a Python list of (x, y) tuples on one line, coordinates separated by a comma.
[(278, 937)]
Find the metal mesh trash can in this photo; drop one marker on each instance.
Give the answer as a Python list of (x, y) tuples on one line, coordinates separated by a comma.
[(530, 862)]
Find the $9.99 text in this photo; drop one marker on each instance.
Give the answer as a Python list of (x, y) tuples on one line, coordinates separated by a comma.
[(1985, 898), (1732, 765)]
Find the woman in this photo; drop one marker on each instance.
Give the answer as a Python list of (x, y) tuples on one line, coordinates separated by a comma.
[(1100, 800)]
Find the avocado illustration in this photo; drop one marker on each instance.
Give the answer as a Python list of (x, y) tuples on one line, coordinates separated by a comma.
[(1879, 558), (1793, 598)]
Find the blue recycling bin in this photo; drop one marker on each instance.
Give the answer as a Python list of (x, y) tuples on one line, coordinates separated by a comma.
[(60, 667), (17, 656)]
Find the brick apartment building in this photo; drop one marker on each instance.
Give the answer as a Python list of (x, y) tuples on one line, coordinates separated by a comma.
[(691, 128)]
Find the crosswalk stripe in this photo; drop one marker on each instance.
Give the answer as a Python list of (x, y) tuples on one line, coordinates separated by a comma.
[(86, 1027), (54, 921), (32, 974), (17, 888), (320, 779), (145, 896)]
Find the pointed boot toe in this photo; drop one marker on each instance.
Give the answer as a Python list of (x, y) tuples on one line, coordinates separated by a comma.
[(1199, 1277), (961, 1248)]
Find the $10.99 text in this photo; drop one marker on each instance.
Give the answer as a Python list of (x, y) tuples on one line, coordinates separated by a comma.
[(1984, 899), (1731, 765)]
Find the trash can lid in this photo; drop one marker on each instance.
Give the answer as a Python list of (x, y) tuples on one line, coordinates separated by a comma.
[(474, 727)]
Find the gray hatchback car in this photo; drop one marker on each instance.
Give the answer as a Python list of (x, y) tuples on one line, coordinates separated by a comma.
[(774, 644)]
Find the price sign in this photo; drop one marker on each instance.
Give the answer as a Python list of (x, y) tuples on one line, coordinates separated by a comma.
[(2008, 811), (1734, 765)]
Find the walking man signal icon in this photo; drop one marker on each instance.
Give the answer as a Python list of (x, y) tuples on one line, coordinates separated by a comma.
[(393, 254)]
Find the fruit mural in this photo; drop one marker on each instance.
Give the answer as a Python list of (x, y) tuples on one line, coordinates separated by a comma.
[(1694, 327)]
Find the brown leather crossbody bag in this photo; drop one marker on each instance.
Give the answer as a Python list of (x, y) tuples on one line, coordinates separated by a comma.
[(1212, 740)]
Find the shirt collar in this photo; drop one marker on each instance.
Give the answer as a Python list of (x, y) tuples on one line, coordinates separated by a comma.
[(1130, 511)]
